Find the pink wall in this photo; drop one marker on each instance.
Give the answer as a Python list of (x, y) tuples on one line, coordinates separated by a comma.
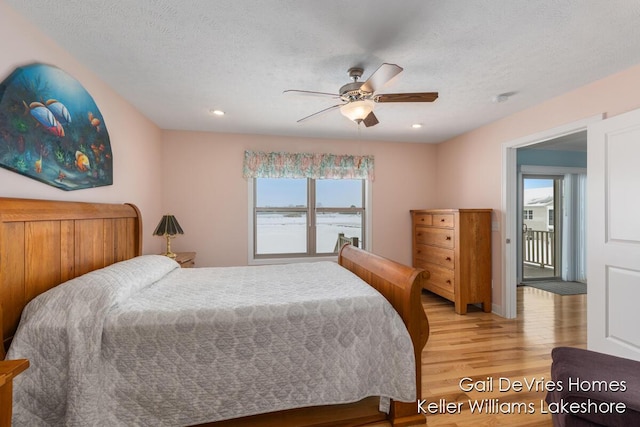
[(135, 141), (205, 189), (470, 166)]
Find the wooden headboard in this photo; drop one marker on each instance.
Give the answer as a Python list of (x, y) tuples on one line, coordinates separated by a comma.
[(44, 243)]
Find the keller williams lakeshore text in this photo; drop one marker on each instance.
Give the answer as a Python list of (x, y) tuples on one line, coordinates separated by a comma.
[(493, 405)]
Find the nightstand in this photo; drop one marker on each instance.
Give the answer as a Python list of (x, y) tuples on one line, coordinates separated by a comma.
[(8, 371), (186, 259)]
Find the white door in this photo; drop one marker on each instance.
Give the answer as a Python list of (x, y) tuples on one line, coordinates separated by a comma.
[(613, 242)]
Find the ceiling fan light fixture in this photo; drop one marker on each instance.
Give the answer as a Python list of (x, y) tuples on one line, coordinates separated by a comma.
[(357, 110), (357, 99)]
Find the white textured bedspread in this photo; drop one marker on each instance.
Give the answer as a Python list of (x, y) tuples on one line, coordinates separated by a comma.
[(145, 343)]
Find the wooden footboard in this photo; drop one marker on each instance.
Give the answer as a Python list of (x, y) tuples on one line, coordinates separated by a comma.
[(400, 285)]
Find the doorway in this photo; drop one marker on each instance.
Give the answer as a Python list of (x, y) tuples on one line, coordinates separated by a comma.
[(541, 218), (552, 203), (511, 206)]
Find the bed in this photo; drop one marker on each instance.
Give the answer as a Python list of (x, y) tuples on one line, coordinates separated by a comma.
[(46, 243)]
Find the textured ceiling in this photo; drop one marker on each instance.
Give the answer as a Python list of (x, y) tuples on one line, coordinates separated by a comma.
[(175, 60), (572, 142)]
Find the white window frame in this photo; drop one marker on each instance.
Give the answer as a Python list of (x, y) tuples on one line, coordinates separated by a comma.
[(252, 260)]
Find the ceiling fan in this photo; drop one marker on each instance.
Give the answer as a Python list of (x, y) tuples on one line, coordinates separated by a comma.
[(359, 98)]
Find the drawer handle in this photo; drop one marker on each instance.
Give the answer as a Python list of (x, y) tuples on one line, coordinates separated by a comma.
[(448, 238), (422, 219), (449, 281), (441, 219), (419, 234), (418, 251), (447, 258)]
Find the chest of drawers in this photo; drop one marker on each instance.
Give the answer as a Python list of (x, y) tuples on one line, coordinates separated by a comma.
[(454, 246)]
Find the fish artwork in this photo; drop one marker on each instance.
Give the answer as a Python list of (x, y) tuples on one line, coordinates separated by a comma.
[(44, 117), (59, 111), (52, 131), (82, 161)]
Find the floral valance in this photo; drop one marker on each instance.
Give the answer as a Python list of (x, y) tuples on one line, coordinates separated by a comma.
[(307, 165)]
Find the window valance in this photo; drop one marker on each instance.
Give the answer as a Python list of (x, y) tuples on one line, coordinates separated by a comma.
[(259, 164)]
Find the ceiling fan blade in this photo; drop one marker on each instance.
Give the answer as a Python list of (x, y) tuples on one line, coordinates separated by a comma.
[(380, 77), (310, 92), (407, 97), (370, 120), (320, 112)]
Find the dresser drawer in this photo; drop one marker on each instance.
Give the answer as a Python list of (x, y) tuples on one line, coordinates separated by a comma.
[(422, 219), (435, 255), (439, 277), (442, 237), (443, 220)]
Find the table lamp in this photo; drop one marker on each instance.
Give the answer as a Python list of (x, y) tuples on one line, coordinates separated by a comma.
[(168, 227)]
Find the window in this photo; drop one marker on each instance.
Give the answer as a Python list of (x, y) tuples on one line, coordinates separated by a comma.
[(527, 214), (303, 217), (551, 217), (302, 203)]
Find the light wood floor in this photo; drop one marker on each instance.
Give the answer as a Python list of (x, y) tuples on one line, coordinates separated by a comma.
[(482, 345)]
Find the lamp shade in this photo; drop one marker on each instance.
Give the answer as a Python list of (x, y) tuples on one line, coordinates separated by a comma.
[(357, 110), (168, 226)]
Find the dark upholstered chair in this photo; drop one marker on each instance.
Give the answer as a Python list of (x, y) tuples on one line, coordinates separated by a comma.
[(591, 373)]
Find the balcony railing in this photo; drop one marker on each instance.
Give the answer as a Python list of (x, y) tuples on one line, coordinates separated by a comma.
[(539, 247), (342, 239)]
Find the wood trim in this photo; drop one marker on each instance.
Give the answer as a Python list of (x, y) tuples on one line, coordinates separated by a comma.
[(2, 351), (15, 210), (9, 369), (364, 412)]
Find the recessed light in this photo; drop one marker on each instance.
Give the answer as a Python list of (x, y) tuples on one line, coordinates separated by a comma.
[(416, 125), (217, 112)]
